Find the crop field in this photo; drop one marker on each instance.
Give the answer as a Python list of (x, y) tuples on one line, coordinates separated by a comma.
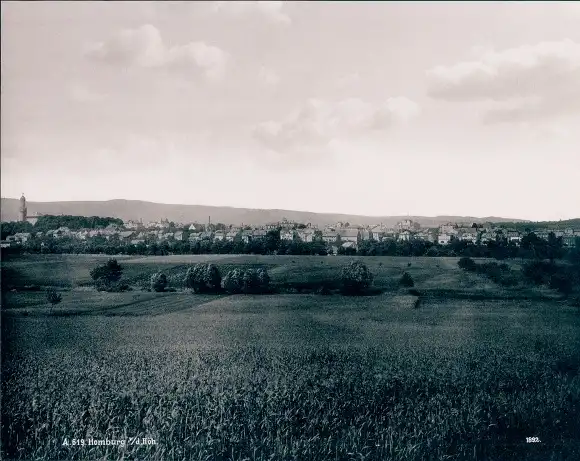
[(469, 375)]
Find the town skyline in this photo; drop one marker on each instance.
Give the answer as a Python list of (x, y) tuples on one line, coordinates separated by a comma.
[(370, 109)]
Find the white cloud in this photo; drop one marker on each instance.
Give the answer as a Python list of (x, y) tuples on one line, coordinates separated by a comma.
[(544, 78), (144, 47), (348, 80), (271, 10), (317, 123), (268, 76), (81, 93)]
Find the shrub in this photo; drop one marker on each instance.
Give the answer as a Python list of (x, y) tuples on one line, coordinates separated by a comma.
[(203, 278), (561, 282), (250, 281), (467, 264), (53, 297), (263, 280), (232, 282), (406, 280), (158, 282), (323, 290), (538, 272), (355, 277), (414, 292), (107, 276)]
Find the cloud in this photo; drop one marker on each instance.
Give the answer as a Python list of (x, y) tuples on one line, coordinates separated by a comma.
[(81, 93), (270, 10), (144, 47), (544, 78), (318, 123), (348, 80), (268, 76)]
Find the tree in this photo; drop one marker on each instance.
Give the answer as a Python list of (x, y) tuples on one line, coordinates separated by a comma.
[(406, 280), (263, 280), (107, 275), (562, 282), (203, 278), (355, 277), (272, 240), (554, 247), (53, 298), (158, 282), (250, 282), (233, 281), (467, 264)]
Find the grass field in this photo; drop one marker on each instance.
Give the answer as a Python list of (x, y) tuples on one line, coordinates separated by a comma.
[(469, 375)]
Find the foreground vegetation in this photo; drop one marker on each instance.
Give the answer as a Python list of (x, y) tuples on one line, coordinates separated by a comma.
[(471, 374)]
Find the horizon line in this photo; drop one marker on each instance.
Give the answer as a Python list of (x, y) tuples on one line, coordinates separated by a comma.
[(295, 210)]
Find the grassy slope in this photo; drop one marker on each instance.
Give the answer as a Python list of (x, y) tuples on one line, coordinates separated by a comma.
[(298, 376)]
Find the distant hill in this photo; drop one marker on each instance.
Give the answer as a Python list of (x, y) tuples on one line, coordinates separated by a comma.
[(149, 211)]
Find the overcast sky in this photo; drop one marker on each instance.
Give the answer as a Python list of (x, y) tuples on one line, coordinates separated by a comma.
[(366, 108)]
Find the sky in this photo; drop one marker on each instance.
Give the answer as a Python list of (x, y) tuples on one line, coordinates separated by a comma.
[(370, 108)]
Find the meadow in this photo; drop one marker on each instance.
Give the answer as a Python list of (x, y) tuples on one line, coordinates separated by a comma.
[(471, 374)]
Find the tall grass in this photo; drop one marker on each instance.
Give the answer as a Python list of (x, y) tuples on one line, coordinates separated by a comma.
[(261, 404)]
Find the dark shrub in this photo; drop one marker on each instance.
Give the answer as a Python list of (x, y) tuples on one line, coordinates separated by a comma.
[(467, 264), (406, 280), (263, 280), (414, 292), (203, 278), (355, 277), (233, 281), (158, 282), (323, 290), (539, 272), (561, 282), (250, 282), (417, 303), (53, 297), (107, 276)]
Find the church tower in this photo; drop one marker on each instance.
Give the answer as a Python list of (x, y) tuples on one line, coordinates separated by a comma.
[(23, 209)]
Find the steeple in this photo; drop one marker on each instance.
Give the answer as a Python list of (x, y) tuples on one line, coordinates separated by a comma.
[(23, 210)]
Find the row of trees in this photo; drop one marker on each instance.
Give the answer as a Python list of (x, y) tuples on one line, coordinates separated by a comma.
[(564, 277), (355, 278), (531, 247)]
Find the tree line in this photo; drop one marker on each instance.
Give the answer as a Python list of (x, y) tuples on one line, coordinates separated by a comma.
[(530, 247)]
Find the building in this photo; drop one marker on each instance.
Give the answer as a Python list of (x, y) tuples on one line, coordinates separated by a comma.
[(329, 236), (23, 210), (349, 235), (287, 235), (443, 239), (405, 236), (306, 235), (408, 224)]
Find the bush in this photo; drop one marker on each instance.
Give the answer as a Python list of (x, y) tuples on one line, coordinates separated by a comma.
[(467, 264), (110, 271), (107, 276), (355, 277), (232, 282), (263, 280), (158, 282), (562, 282), (203, 278), (539, 272), (53, 297), (406, 280), (414, 292)]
